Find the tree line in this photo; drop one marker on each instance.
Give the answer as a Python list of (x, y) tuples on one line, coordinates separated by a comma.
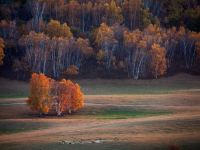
[(133, 38)]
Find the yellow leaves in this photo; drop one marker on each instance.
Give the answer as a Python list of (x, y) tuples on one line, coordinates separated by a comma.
[(158, 60), (132, 38), (152, 29), (196, 37), (104, 34), (113, 13), (72, 71), (1, 51), (101, 55), (55, 29), (78, 98), (39, 98), (84, 46), (34, 39), (142, 44)]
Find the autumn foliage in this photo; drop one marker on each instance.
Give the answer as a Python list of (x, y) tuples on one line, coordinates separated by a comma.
[(54, 28), (158, 60), (39, 99), (71, 71), (67, 96), (48, 95), (100, 38)]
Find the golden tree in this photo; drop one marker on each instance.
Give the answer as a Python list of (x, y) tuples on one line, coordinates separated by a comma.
[(56, 29), (1, 51), (39, 99), (158, 60)]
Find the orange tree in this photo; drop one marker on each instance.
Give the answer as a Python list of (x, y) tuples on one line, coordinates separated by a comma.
[(60, 96), (39, 99), (67, 96)]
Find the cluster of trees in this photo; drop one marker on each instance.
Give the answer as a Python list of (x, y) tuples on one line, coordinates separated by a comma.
[(48, 95), (134, 38), (87, 14), (150, 52), (55, 51)]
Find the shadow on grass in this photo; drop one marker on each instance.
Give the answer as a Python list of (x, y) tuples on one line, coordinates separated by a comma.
[(9, 127)]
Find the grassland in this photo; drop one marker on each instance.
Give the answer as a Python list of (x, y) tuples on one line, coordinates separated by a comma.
[(16, 89), (9, 127), (126, 115)]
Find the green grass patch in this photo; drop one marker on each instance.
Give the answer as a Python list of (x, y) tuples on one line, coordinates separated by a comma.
[(8, 127), (14, 95), (13, 88), (136, 87), (125, 114), (120, 113), (17, 89)]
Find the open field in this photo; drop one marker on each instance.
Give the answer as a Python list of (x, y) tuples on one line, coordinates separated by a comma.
[(16, 89), (140, 115)]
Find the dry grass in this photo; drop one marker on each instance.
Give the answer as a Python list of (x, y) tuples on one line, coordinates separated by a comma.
[(179, 127)]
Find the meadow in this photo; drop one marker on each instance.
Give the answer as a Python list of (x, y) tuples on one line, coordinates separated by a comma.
[(118, 114)]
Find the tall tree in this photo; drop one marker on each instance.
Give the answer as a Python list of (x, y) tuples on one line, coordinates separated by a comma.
[(39, 99), (86, 16), (106, 41), (136, 57), (158, 60), (113, 13), (36, 51), (37, 8), (131, 13), (73, 13)]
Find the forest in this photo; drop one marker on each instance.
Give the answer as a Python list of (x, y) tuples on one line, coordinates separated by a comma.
[(137, 39)]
